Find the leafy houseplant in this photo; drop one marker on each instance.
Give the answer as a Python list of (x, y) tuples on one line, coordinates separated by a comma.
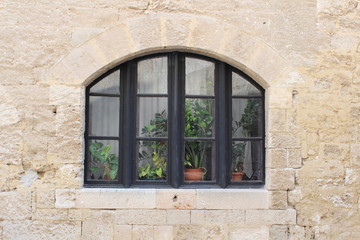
[(156, 168), (104, 163), (198, 123)]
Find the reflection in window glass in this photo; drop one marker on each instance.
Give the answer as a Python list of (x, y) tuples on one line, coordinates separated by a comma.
[(104, 116), (199, 77), (199, 117), (152, 117), (152, 76), (104, 161), (109, 84), (246, 160), (240, 86), (246, 114)]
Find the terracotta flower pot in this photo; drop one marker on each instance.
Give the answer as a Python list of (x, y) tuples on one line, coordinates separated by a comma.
[(193, 174), (237, 176)]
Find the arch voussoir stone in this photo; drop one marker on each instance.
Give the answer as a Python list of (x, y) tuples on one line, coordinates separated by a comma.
[(144, 35)]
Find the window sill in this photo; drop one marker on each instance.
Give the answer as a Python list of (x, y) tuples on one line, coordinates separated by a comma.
[(96, 198)]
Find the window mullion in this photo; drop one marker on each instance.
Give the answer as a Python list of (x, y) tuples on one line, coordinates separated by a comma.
[(223, 100), (176, 105), (129, 122)]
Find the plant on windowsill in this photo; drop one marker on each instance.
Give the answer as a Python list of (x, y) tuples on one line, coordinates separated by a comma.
[(154, 166), (198, 123), (104, 164), (249, 125)]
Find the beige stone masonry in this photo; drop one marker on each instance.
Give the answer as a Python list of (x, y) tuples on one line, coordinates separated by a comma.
[(270, 217), (15, 205), (234, 199), (106, 198)]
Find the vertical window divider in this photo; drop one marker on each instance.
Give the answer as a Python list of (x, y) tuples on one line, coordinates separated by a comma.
[(176, 121), (129, 123), (222, 125)]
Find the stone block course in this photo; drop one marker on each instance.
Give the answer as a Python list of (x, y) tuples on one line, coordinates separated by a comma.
[(234, 199), (270, 217), (176, 199)]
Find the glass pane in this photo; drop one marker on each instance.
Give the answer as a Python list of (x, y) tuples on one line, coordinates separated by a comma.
[(199, 161), (152, 75), (109, 84), (199, 77), (241, 86), (152, 159), (152, 117), (104, 116), (246, 114), (199, 117), (246, 160), (104, 160)]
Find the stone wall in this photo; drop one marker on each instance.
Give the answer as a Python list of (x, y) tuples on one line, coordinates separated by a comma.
[(305, 54)]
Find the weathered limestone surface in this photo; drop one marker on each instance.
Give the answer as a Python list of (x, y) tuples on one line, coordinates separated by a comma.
[(306, 55)]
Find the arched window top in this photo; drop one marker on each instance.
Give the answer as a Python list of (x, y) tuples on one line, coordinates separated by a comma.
[(174, 119)]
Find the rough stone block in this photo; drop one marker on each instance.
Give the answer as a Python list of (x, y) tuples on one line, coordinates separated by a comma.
[(178, 199), (45, 198), (65, 198), (163, 232), (197, 216), (281, 179), (278, 199), (32, 230), (270, 217), (68, 121), (75, 214), (140, 232), (61, 95), (92, 17), (15, 205), (65, 150), (296, 232), (50, 214), (8, 114), (355, 154), (198, 232), (148, 36), (283, 140), (225, 216), (122, 232), (234, 198), (177, 216), (279, 232), (98, 223), (145, 217), (106, 198), (82, 34), (69, 176), (250, 232), (294, 159), (11, 141), (276, 158), (277, 120)]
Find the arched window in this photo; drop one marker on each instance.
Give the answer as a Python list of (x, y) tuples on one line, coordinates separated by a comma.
[(174, 119)]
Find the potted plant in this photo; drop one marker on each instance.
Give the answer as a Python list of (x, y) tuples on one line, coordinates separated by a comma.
[(238, 155), (104, 164), (198, 123), (153, 156)]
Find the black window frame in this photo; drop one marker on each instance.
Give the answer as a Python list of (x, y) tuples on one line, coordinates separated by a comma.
[(176, 98)]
